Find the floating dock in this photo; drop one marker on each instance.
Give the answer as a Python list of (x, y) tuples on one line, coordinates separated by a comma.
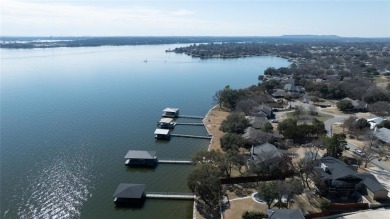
[(171, 161), (170, 195), (190, 117), (191, 136), (190, 123)]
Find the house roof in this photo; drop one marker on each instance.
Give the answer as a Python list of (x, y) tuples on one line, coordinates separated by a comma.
[(372, 183), (133, 154), (337, 169), (251, 133), (129, 190), (285, 214), (161, 132), (280, 93), (289, 87), (265, 152), (257, 122), (376, 120), (383, 134)]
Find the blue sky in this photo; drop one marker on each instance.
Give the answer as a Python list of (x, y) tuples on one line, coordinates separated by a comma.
[(350, 18)]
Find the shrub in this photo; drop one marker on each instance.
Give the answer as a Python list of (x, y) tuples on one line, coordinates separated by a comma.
[(254, 215)]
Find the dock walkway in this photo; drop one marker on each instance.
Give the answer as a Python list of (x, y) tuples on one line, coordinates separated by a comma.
[(190, 123), (191, 117), (170, 195), (172, 161), (191, 136)]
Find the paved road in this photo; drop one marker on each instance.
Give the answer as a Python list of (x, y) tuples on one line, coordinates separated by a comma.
[(376, 162)]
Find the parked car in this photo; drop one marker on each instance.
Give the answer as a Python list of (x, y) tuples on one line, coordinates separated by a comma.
[(359, 152)]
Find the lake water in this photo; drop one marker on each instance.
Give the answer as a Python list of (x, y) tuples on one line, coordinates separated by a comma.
[(69, 115)]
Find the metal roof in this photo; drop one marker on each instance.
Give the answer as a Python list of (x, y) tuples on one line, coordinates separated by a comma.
[(166, 120), (129, 190), (172, 110), (383, 134), (133, 154), (161, 132)]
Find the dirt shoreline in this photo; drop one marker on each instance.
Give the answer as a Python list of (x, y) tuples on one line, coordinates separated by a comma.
[(212, 122)]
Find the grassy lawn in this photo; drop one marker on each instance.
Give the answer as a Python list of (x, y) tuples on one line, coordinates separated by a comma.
[(321, 117), (380, 79)]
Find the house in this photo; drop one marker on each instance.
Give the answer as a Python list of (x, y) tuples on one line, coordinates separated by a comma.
[(170, 112), (166, 123), (257, 122), (141, 158), (359, 106), (265, 154), (263, 110), (285, 214), (338, 181), (128, 193), (163, 134), (279, 93), (251, 135), (383, 134)]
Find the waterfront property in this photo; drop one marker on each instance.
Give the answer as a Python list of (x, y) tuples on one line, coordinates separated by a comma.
[(141, 158), (163, 134), (128, 193), (170, 112), (338, 181), (166, 123)]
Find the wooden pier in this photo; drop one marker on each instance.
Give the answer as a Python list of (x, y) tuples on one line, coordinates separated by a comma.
[(172, 161), (170, 195), (190, 123), (191, 136), (190, 117)]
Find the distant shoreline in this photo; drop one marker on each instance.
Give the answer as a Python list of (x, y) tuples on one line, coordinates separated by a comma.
[(55, 42)]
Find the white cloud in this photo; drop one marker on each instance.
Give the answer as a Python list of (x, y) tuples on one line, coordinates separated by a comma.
[(37, 18), (183, 12)]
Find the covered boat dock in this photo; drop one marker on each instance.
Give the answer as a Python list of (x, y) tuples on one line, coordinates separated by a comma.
[(141, 158)]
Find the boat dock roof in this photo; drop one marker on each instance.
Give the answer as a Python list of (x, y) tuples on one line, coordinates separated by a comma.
[(133, 154), (161, 132), (166, 120), (129, 190), (171, 110)]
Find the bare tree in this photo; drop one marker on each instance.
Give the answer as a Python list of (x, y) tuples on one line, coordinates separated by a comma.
[(368, 155), (349, 123), (313, 110), (298, 110)]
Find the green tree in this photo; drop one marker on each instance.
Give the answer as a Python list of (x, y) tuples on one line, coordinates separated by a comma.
[(253, 215), (344, 105), (318, 127), (384, 124), (229, 97), (234, 123), (205, 183), (267, 127), (362, 123), (286, 124), (268, 192), (232, 141), (335, 145)]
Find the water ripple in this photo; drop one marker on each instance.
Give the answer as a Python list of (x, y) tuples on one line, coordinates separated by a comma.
[(60, 189)]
